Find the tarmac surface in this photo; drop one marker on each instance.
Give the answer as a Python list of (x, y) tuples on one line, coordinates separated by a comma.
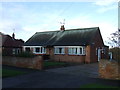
[(88, 70), (65, 77)]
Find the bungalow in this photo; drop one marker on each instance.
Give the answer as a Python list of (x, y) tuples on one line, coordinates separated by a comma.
[(73, 45), (10, 45)]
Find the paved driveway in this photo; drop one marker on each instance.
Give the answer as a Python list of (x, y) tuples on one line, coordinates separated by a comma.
[(67, 77), (46, 80), (87, 70)]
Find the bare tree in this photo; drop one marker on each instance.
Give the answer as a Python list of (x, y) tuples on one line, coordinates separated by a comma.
[(115, 39)]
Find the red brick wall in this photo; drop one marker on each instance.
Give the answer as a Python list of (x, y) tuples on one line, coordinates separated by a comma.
[(34, 63), (70, 58), (87, 57), (109, 69)]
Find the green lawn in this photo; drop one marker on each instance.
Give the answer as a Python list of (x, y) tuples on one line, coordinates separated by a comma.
[(94, 85), (10, 73), (48, 64)]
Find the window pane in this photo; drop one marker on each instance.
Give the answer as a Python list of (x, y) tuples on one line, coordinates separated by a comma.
[(80, 50), (60, 50), (63, 50), (18, 51), (56, 50), (27, 49), (44, 50), (75, 50), (83, 50), (37, 49), (13, 50), (69, 50), (72, 50), (41, 50)]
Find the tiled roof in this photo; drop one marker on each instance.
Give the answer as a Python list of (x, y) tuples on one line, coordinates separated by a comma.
[(8, 41), (71, 37)]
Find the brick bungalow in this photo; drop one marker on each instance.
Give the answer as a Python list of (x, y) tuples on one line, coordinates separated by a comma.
[(10, 45), (73, 45)]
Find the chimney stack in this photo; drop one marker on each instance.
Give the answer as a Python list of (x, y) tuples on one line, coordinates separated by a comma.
[(13, 36), (62, 28)]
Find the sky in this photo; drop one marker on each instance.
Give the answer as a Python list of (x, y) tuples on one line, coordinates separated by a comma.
[(27, 18)]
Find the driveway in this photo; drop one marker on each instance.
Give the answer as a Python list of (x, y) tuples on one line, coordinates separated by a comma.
[(67, 77), (45, 80), (87, 70)]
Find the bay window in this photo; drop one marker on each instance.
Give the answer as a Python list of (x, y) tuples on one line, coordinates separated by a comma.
[(35, 49), (39, 50), (59, 50), (76, 50)]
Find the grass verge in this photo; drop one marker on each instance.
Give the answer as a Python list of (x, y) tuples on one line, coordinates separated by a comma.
[(11, 73), (49, 63)]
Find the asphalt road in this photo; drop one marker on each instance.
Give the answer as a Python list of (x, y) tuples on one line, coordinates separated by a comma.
[(55, 78)]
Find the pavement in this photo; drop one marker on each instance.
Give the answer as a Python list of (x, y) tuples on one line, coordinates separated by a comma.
[(66, 77)]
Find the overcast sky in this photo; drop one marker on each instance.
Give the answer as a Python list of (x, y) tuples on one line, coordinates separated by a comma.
[(28, 18)]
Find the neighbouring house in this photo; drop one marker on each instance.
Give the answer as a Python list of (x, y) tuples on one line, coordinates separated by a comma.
[(73, 45), (10, 45)]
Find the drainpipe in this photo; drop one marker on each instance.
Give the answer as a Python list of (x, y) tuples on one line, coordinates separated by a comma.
[(99, 54)]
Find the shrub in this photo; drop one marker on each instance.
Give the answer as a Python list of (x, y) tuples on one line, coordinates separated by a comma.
[(25, 54)]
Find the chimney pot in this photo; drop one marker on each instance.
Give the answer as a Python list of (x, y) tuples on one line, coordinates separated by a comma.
[(62, 27)]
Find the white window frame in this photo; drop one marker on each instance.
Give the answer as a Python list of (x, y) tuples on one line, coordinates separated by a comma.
[(72, 50), (57, 50), (34, 49), (42, 50)]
